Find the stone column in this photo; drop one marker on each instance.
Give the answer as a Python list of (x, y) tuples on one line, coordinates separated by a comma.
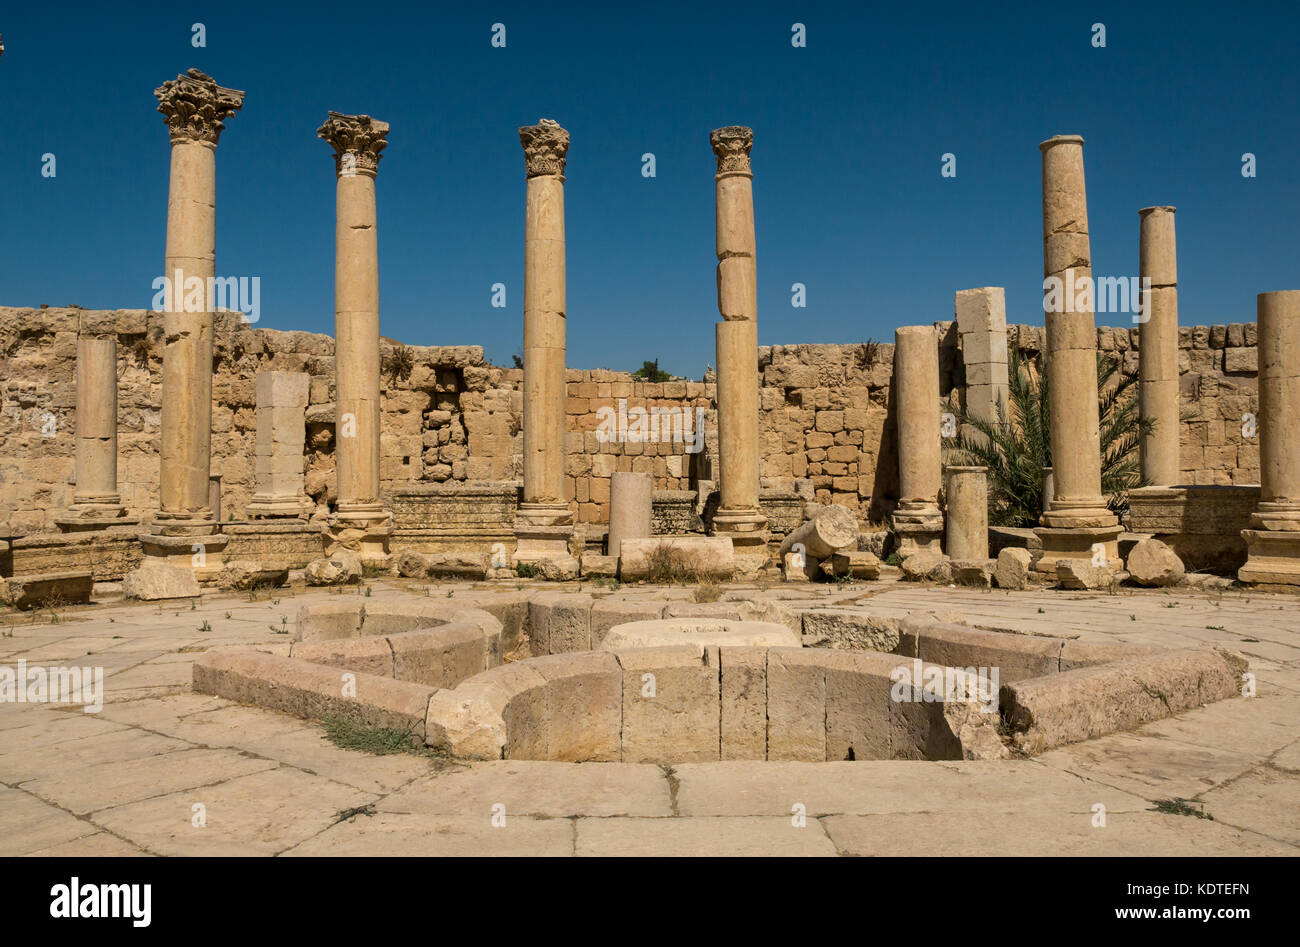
[(360, 522), (982, 326), (185, 531), (917, 520), (96, 503), (967, 515), (1158, 345), (1078, 521), (738, 515), (631, 502), (281, 437), (544, 523), (1273, 541)]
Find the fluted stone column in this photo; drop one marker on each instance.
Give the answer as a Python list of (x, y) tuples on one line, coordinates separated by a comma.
[(918, 523), (360, 522), (544, 522), (738, 515), (1078, 521), (1273, 541), (966, 496), (281, 438), (96, 502), (185, 531), (1158, 345)]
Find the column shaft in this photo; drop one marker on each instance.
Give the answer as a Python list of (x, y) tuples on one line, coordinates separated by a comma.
[(917, 519), (1158, 346)]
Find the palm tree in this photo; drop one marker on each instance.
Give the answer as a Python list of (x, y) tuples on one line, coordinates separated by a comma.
[(1018, 445)]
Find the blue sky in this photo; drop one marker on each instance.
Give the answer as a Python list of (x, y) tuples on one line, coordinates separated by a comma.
[(849, 134)]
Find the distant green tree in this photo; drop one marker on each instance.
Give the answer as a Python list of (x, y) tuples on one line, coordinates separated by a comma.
[(1017, 446), (650, 372)]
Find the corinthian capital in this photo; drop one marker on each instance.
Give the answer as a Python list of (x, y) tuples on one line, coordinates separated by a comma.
[(357, 141), (545, 146), (196, 107), (731, 145)]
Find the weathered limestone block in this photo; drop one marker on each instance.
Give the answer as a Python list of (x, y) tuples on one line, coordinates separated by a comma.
[(858, 564), (852, 630), (743, 695), (796, 705), (343, 567), (156, 580), (670, 705), (927, 565), (1083, 574), (1012, 569), (830, 529), (53, 590), (1151, 562), (584, 703), (246, 574), (977, 572), (683, 557), (631, 499), (710, 632), (595, 566)]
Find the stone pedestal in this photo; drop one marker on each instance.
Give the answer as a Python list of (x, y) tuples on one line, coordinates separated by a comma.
[(185, 530), (96, 503), (918, 523), (967, 516), (281, 437), (1203, 525), (1273, 541), (738, 515), (1158, 346), (1078, 522), (360, 522), (544, 522), (631, 500), (982, 327)]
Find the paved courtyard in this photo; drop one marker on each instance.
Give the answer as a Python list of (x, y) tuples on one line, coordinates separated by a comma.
[(163, 771)]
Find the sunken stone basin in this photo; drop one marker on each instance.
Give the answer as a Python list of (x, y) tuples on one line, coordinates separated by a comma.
[(722, 632)]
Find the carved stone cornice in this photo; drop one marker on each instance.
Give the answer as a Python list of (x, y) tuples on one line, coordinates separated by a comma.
[(357, 142), (196, 107), (545, 146), (731, 145)]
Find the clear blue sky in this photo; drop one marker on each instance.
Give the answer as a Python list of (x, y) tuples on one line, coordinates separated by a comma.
[(849, 136)]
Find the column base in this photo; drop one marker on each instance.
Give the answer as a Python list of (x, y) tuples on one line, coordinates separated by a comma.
[(363, 529), (1272, 557), (84, 517), (918, 527), (535, 543), (201, 553), (1077, 542), (749, 535), (270, 507)]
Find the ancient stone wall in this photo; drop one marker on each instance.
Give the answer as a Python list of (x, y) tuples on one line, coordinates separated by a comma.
[(825, 414)]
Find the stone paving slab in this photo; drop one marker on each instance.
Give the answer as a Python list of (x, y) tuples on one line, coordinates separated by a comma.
[(400, 834), (96, 845), (1035, 833), (701, 837), (538, 789), (1263, 800), (28, 825), (260, 814)]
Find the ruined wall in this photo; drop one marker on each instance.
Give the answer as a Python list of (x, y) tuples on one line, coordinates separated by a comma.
[(450, 416)]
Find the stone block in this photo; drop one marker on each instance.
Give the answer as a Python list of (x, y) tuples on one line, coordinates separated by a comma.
[(796, 705), (670, 705)]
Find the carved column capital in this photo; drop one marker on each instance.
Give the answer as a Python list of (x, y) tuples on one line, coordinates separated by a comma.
[(731, 145), (357, 142), (196, 107), (545, 146)]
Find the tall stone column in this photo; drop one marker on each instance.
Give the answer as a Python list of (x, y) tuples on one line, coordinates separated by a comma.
[(1273, 541), (738, 515), (360, 522), (1078, 521), (185, 531), (544, 523), (918, 523), (281, 438), (96, 502), (1158, 345)]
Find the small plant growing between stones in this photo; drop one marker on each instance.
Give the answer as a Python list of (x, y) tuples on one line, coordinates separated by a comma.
[(893, 559), (707, 591), (283, 628), (526, 570), (1181, 806), (868, 353), (206, 626), (399, 363), (379, 741)]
